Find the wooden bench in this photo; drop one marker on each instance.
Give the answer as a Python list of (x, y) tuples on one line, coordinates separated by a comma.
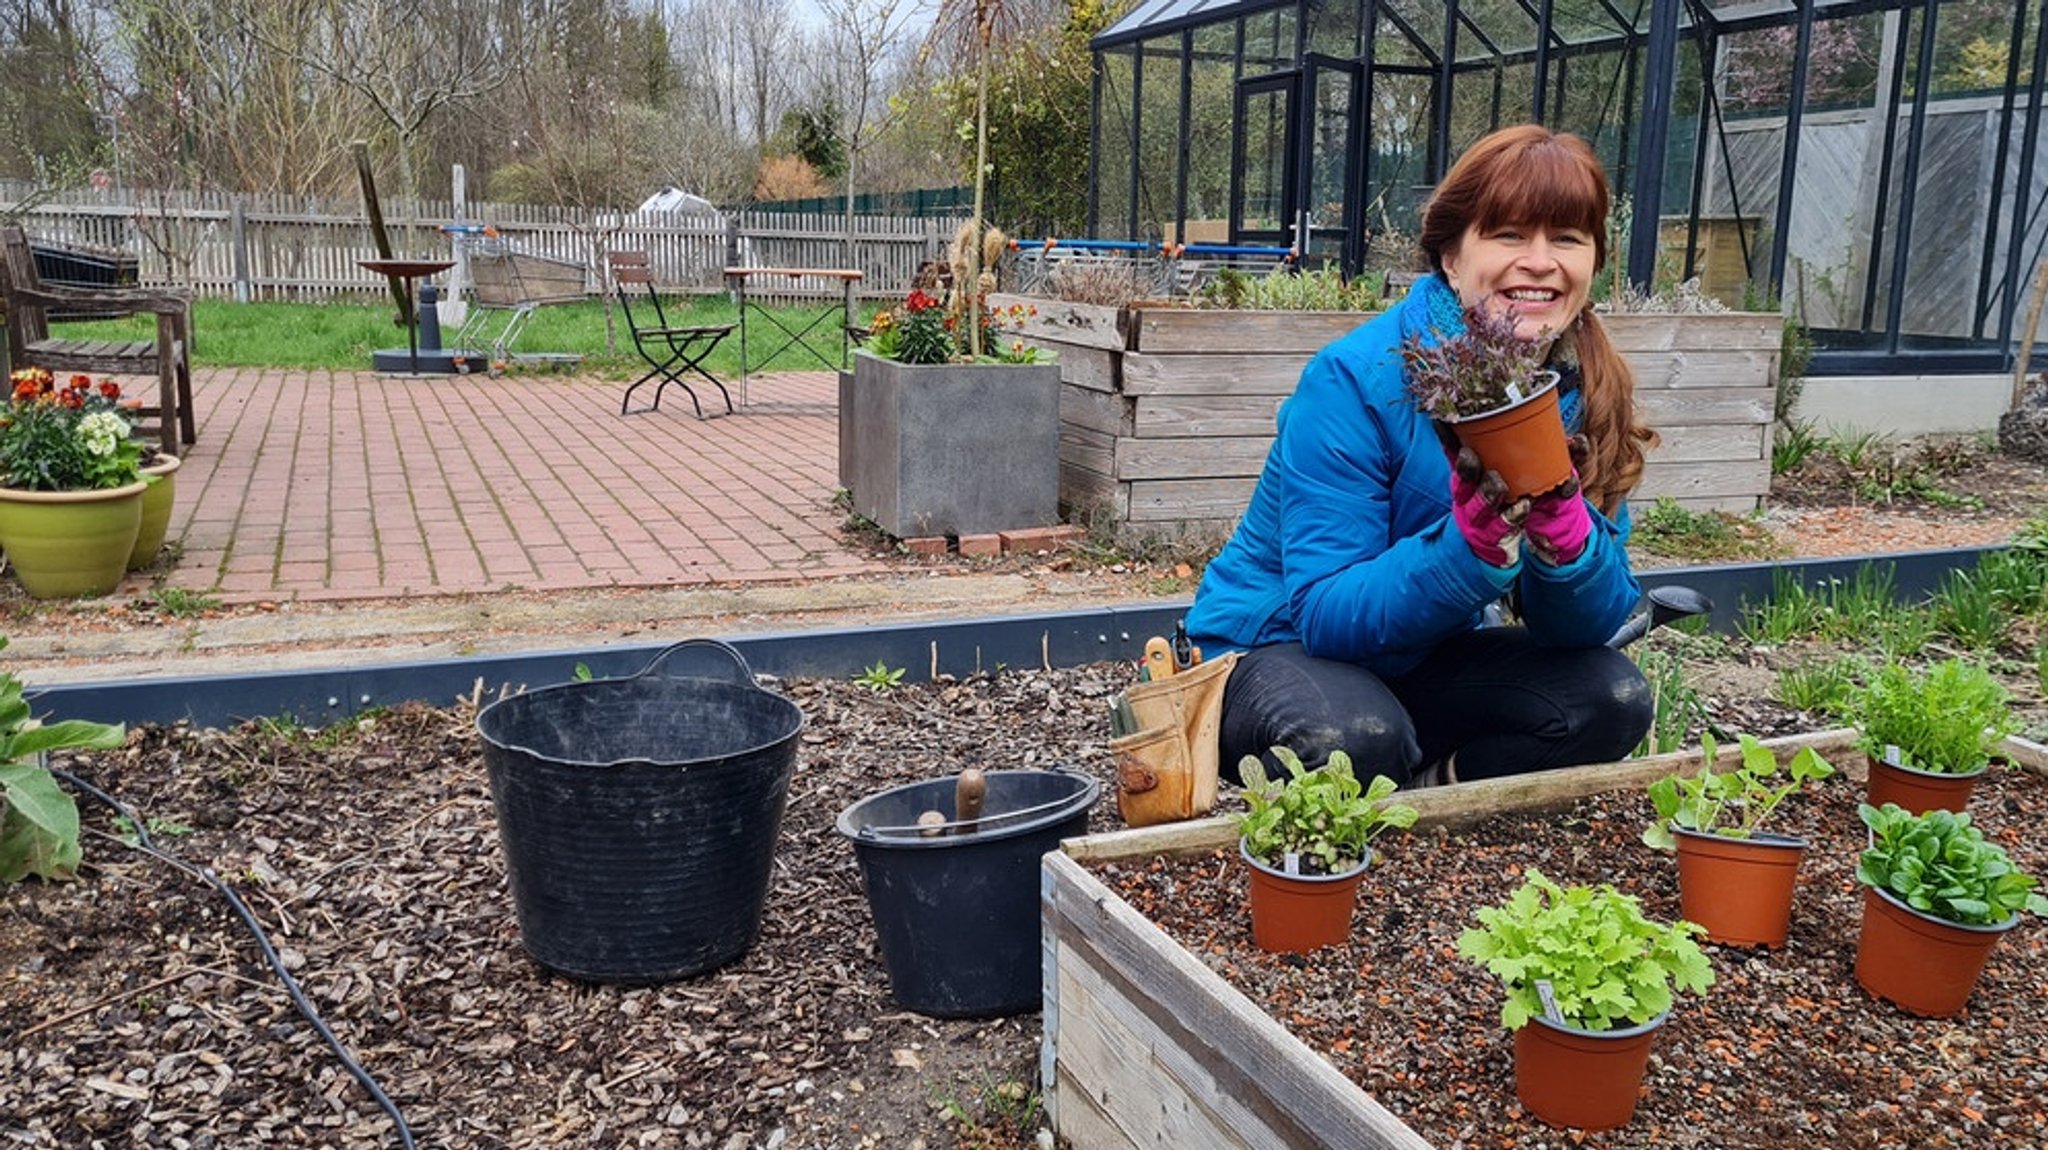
[(167, 357)]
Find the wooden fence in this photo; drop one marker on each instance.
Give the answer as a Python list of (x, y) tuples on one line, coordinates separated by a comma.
[(303, 248)]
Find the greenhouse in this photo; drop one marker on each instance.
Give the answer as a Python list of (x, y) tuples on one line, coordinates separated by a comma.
[(1875, 167)]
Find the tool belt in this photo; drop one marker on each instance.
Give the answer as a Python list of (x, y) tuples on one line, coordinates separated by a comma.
[(1166, 764)]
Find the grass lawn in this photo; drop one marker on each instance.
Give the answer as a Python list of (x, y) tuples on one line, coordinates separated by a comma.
[(341, 335)]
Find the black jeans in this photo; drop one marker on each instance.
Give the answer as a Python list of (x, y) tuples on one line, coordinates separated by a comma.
[(1494, 697)]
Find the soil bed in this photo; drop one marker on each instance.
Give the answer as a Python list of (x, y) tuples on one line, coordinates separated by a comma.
[(1785, 1050), (135, 1010)]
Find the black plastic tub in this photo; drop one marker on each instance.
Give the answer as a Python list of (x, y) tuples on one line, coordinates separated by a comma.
[(82, 266), (639, 815), (956, 911)]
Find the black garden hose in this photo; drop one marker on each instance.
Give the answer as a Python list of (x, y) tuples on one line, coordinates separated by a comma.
[(291, 985)]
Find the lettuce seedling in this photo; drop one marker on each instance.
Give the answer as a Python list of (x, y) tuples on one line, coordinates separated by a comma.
[(1733, 803), (1602, 963), (1940, 865), (1325, 819)]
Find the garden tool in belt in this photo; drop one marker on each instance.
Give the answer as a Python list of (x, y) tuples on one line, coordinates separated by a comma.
[(1165, 731)]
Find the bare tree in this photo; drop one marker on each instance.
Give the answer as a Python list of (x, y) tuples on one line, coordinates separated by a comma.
[(738, 60), (861, 62), (409, 59)]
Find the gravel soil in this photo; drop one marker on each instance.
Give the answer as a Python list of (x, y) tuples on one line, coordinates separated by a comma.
[(135, 1010)]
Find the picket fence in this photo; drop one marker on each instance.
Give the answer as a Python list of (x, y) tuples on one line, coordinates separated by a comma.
[(251, 247)]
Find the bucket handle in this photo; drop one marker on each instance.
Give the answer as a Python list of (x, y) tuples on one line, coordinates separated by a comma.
[(934, 830), (739, 672)]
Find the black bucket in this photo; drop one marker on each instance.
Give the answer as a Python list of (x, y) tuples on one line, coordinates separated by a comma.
[(639, 815), (957, 911)]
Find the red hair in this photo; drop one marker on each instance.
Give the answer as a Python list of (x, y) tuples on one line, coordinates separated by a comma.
[(1529, 174)]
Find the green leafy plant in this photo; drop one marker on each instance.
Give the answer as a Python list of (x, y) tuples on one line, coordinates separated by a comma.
[(1939, 864), (880, 677), (1969, 609), (180, 603), (1675, 704), (158, 828), (1487, 366), (1948, 719), (918, 332), (1671, 529), (1791, 445), (1325, 818), (38, 819), (1821, 686), (1605, 965), (924, 331), (1323, 289), (71, 438), (1733, 803)]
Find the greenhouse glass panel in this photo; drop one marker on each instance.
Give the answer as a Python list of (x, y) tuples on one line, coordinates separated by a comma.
[(1397, 179), (1113, 136), (1506, 25), (1583, 21), (1334, 28), (1393, 46), (1269, 42), (1423, 18), (1212, 92), (1265, 112), (1159, 133)]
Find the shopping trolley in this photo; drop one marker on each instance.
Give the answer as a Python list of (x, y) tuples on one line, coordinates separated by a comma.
[(506, 286)]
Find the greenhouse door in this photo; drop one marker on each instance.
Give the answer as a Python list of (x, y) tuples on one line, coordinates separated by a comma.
[(1297, 173), (1262, 195), (1331, 162)]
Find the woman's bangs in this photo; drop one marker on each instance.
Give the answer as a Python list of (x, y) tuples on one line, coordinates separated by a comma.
[(1545, 184)]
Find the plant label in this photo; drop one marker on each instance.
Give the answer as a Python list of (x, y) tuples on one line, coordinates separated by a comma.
[(1291, 863), (1549, 997)]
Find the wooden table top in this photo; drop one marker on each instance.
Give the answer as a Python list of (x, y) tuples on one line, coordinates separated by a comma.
[(832, 273)]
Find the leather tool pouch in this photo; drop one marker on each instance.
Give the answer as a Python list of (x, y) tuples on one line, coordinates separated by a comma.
[(1167, 770)]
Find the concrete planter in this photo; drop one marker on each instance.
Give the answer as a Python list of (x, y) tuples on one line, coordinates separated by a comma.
[(950, 449), (1166, 412)]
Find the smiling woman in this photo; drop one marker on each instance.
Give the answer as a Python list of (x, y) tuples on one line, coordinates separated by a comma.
[(1358, 578)]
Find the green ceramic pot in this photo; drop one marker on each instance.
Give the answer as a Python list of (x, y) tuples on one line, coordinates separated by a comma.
[(63, 544), (156, 511)]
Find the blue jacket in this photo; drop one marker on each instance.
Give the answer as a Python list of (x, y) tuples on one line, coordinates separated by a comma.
[(1348, 544)]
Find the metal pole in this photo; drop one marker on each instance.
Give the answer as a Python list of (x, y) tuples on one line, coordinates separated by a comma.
[(1788, 160), (1923, 88), (1652, 133)]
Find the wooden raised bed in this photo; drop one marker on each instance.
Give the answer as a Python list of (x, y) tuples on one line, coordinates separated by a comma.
[(1166, 413), (1145, 1046)]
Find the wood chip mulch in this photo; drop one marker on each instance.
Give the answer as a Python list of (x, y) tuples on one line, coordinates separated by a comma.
[(135, 1011)]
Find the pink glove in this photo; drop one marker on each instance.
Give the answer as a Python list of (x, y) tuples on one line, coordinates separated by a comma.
[(1558, 523), (1492, 527)]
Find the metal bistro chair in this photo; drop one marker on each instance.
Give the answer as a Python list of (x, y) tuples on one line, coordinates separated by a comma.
[(669, 350)]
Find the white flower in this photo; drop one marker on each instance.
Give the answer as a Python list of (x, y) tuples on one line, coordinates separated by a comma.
[(103, 432)]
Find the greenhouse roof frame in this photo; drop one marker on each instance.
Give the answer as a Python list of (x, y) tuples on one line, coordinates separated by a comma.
[(1639, 55)]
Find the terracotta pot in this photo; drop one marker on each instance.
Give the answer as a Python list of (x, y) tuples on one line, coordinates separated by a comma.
[(1295, 914), (1739, 889), (1919, 963), (1523, 441), (1582, 1079), (64, 544), (156, 511), (1919, 791)]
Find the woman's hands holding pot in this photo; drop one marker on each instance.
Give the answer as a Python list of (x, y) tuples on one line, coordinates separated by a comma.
[(1558, 523), (1491, 523)]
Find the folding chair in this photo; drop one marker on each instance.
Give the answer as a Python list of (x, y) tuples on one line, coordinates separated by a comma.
[(670, 351)]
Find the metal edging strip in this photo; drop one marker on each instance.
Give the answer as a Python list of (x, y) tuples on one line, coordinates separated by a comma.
[(951, 647)]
